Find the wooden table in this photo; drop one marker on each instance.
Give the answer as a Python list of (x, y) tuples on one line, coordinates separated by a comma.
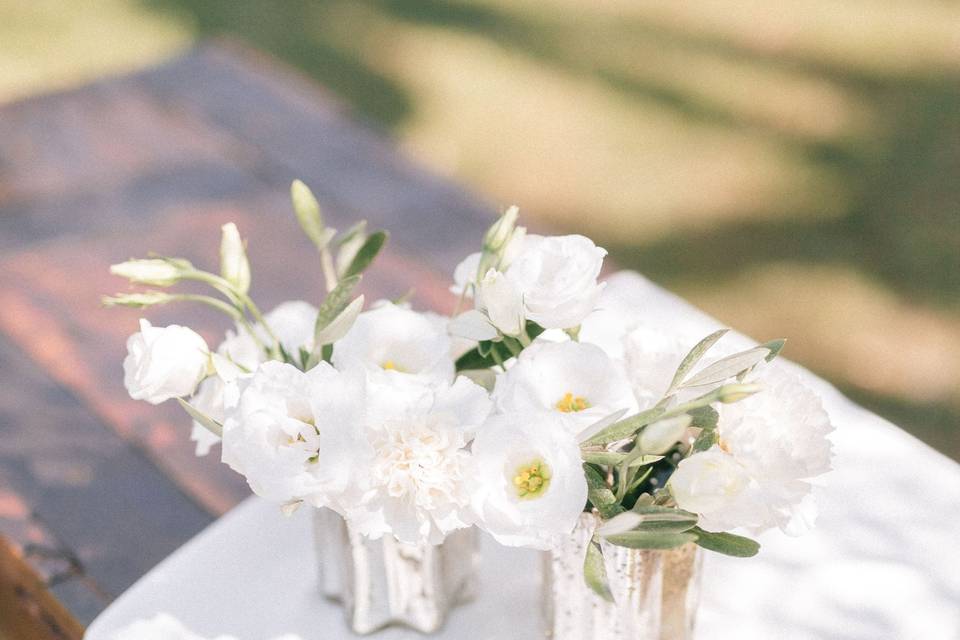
[(95, 488)]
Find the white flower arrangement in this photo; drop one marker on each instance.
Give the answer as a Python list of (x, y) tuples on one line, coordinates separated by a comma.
[(550, 397)]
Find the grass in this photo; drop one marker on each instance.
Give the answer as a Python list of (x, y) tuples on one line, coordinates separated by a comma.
[(791, 168)]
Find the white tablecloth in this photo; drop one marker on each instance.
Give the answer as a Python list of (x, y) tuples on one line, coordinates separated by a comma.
[(883, 561)]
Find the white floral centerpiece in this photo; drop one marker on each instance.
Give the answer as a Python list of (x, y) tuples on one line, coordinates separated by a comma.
[(548, 414)]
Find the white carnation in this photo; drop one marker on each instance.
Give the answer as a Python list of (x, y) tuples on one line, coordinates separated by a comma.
[(528, 482), (757, 477), (578, 382), (164, 362), (294, 435), (391, 338), (414, 487)]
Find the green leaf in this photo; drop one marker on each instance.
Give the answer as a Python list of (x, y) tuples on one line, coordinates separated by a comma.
[(664, 519), (726, 543), (481, 356), (775, 346), (203, 419), (595, 571), (599, 493), (625, 428), (706, 439), (307, 208), (333, 305), (692, 358), (366, 254), (338, 327), (651, 539), (605, 458), (727, 367), (704, 417)]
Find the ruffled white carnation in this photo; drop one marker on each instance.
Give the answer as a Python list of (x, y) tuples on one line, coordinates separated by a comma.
[(390, 338), (771, 445), (578, 382), (164, 362), (415, 486), (294, 435), (528, 487)]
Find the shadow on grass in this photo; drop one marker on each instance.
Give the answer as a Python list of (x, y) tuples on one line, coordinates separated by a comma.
[(901, 226)]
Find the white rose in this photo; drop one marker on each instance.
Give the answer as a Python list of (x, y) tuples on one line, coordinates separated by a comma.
[(294, 435), (528, 483), (414, 487), (578, 382), (771, 445), (394, 340), (557, 278), (164, 362)]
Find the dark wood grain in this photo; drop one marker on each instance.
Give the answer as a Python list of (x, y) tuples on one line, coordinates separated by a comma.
[(96, 488)]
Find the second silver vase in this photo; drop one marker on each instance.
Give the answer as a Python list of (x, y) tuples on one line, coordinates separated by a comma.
[(385, 582)]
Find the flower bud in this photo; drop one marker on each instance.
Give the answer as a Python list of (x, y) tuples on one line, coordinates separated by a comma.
[(234, 266), (153, 271), (730, 393)]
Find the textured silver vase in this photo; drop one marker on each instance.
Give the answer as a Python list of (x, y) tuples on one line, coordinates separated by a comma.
[(655, 592), (384, 582)]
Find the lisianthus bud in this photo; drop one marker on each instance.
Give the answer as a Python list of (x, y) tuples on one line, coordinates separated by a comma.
[(158, 272), (234, 266), (730, 393), (501, 231), (137, 300)]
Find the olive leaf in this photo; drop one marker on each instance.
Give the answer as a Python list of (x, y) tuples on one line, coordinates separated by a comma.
[(651, 539), (366, 254), (203, 419), (595, 571), (726, 543), (727, 367), (693, 357)]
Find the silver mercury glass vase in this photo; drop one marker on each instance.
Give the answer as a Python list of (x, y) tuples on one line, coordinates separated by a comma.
[(655, 592), (384, 582)]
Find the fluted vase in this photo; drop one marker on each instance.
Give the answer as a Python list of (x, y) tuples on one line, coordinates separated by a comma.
[(655, 593), (381, 583)]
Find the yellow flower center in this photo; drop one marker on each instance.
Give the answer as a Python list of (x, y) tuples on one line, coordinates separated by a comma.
[(571, 403), (390, 365), (532, 479)]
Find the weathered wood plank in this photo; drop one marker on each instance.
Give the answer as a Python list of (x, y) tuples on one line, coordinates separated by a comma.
[(27, 609), (107, 513)]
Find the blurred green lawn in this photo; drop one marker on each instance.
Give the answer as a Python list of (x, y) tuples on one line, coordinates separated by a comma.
[(792, 168)]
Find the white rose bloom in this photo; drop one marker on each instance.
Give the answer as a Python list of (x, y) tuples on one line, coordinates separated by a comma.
[(415, 485), (164, 362), (578, 382), (557, 278), (757, 477), (294, 435), (390, 338), (528, 484)]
